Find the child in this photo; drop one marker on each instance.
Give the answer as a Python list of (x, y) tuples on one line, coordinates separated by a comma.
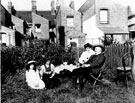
[(32, 76), (47, 73)]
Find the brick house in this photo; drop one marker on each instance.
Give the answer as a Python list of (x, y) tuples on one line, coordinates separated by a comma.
[(69, 25), (7, 32), (39, 22), (110, 19), (13, 28)]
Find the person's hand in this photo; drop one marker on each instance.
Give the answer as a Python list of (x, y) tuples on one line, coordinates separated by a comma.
[(85, 65)]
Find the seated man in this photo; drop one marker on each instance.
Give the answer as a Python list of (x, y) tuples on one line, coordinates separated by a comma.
[(93, 65)]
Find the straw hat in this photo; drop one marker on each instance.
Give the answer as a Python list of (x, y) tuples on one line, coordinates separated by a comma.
[(30, 62)]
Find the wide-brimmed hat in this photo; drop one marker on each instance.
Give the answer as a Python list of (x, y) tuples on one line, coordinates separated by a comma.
[(101, 46), (30, 62), (88, 45)]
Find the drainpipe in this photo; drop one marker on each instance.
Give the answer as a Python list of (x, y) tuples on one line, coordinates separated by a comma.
[(81, 22)]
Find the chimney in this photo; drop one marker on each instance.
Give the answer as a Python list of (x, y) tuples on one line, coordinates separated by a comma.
[(10, 6), (62, 3), (57, 5), (53, 7), (129, 10), (72, 5), (34, 7)]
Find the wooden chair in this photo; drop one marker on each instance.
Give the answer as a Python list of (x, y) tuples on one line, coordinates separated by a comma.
[(127, 65), (97, 78)]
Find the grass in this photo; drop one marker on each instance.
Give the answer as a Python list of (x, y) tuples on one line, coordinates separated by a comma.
[(15, 90)]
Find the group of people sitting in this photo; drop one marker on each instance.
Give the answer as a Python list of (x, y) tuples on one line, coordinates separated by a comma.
[(45, 76)]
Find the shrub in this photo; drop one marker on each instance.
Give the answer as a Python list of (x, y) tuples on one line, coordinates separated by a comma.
[(14, 59)]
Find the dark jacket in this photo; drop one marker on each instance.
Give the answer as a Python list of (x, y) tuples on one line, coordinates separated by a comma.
[(96, 62)]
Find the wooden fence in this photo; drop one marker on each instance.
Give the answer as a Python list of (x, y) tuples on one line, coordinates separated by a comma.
[(115, 52)]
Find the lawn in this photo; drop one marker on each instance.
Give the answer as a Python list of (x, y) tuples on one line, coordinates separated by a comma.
[(15, 90)]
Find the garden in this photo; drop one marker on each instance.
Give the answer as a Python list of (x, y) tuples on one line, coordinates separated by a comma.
[(14, 88)]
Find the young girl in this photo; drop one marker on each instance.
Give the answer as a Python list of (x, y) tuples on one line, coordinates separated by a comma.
[(32, 76), (47, 72)]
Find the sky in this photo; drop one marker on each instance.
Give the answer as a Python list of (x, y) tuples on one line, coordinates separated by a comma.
[(41, 4), (45, 4)]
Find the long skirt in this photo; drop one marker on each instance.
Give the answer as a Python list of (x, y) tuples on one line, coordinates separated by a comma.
[(51, 82)]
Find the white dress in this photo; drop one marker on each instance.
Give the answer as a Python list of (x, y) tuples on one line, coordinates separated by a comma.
[(33, 79)]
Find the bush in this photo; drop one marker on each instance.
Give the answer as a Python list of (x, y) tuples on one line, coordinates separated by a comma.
[(14, 59)]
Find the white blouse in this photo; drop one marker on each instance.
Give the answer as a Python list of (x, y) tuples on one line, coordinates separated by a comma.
[(85, 56)]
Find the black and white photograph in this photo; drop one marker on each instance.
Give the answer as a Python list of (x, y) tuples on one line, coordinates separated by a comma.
[(67, 51)]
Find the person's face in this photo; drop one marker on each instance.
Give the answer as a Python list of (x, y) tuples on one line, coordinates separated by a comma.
[(31, 66), (88, 49), (48, 62), (98, 50)]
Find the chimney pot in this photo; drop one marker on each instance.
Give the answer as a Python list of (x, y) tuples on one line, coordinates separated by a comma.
[(34, 7)]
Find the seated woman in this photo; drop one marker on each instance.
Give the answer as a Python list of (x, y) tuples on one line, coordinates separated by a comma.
[(32, 76), (47, 72)]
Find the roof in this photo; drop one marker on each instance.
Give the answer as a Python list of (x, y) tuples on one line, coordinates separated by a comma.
[(88, 9), (75, 33), (26, 15), (131, 16), (86, 6), (113, 30)]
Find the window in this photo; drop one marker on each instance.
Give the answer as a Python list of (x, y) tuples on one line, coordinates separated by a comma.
[(37, 27), (104, 16), (70, 21), (3, 38)]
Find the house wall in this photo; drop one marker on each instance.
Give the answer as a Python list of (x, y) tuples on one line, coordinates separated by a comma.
[(77, 18), (10, 36), (44, 34), (118, 15), (118, 19), (18, 23), (69, 33), (93, 33), (5, 17)]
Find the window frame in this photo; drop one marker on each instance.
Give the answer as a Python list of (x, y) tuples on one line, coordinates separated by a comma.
[(2, 38), (101, 21), (37, 30), (69, 22)]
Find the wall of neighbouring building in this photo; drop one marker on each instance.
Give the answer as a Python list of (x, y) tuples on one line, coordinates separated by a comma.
[(9, 36), (44, 34)]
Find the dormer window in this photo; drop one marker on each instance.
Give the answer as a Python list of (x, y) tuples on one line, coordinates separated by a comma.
[(104, 17), (37, 27), (70, 21)]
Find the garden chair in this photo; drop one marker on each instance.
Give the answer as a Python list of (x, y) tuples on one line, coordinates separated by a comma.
[(126, 69), (97, 78)]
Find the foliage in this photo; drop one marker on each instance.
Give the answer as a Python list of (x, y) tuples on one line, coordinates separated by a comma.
[(15, 90), (106, 40), (14, 59)]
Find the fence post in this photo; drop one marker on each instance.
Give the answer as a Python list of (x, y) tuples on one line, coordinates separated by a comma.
[(133, 70)]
